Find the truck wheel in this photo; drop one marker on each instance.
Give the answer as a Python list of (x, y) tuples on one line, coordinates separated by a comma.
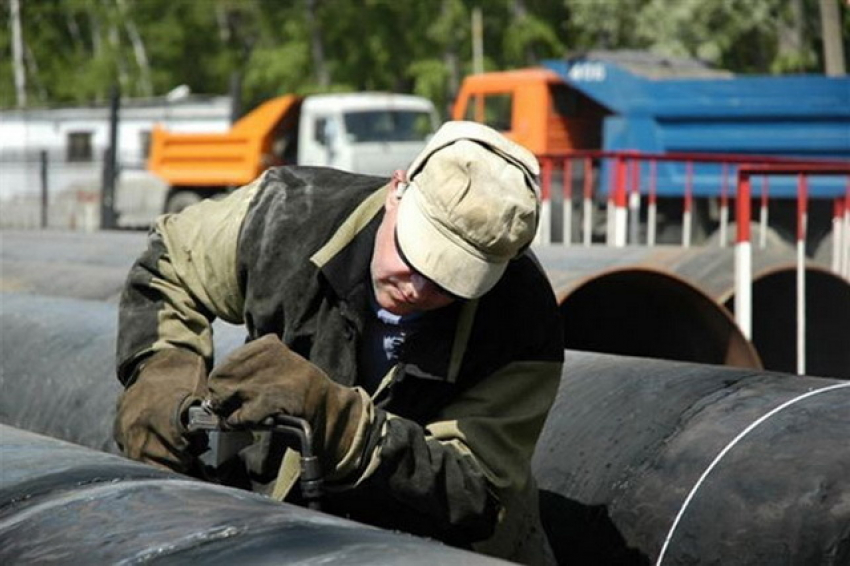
[(180, 200)]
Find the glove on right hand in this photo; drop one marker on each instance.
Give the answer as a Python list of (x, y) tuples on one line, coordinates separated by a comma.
[(264, 378), (148, 421)]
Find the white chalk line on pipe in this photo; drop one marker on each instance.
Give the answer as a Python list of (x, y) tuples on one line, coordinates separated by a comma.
[(729, 447)]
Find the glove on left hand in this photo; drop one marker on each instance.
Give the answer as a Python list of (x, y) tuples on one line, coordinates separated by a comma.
[(148, 420), (264, 378)]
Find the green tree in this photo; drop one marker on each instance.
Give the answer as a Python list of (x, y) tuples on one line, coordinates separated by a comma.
[(76, 49)]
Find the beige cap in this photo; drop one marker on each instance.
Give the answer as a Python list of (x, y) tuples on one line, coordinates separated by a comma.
[(471, 205)]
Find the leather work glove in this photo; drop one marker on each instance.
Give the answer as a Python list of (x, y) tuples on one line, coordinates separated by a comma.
[(264, 378), (149, 421)]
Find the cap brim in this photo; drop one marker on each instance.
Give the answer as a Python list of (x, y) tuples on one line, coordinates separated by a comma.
[(436, 256)]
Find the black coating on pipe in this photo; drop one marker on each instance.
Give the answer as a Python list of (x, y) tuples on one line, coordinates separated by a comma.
[(627, 439), (57, 369), (65, 504)]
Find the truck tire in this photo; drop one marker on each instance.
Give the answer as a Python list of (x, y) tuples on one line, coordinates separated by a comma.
[(178, 200)]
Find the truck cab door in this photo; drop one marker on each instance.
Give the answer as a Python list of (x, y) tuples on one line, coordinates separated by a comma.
[(318, 145)]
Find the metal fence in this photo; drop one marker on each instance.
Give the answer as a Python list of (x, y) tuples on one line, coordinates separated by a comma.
[(627, 197), (43, 189)]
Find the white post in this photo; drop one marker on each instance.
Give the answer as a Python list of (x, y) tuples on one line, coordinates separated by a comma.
[(567, 201), (620, 224), (743, 258), (846, 231), (687, 217), (763, 227), (837, 242), (802, 220), (634, 213), (619, 201), (743, 289), (652, 210), (724, 204), (763, 214), (801, 305), (587, 202), (652, 206)]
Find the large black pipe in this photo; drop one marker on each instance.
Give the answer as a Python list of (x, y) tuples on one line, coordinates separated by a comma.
[(65, 504), (722, 465), (625, 442), (57, 371)]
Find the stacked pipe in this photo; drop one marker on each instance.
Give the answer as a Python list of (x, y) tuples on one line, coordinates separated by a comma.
[(627, 315), (651, 461), (59, 321), (651, 302), (65, 504), (619, 301), (640, 459), (57, 372)]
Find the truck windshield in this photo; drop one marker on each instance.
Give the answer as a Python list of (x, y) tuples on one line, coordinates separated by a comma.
[(388, 125)]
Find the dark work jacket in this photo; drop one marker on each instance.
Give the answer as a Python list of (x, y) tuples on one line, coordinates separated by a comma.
[(473, 382)]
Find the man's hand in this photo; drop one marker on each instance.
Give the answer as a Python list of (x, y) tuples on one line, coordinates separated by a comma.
[(148, 422), (264, 378)]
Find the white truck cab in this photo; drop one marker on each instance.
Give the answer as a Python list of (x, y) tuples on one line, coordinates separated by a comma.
[(372, 133)]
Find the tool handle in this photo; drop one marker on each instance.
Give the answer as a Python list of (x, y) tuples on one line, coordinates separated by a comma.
[(203, 418)]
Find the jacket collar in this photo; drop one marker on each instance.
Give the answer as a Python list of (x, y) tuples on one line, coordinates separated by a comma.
[(344, 259)]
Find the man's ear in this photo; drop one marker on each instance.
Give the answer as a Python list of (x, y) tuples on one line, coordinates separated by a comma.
[(398, 184)]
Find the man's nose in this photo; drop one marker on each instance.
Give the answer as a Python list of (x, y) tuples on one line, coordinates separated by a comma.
[(419, 284)]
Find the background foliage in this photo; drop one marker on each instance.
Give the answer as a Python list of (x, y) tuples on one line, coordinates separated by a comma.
[(75, 49)]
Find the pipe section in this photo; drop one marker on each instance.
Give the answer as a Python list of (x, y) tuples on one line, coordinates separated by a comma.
[(65, 504), (658, 462), (640, 310), (57, 371), (827, 299), (711, 270)]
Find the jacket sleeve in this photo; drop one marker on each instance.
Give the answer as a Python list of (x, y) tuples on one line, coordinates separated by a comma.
[(453, 478), (184, 280)]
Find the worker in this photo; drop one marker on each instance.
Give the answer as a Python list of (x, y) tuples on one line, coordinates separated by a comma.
[(405, 319)]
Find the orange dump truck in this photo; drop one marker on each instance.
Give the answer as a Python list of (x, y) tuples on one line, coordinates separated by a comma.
[(198, 165), (370, 133)]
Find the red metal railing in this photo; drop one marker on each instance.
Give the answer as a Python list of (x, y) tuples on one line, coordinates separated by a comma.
[(625, 190), (743, 251), (624, 200)]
